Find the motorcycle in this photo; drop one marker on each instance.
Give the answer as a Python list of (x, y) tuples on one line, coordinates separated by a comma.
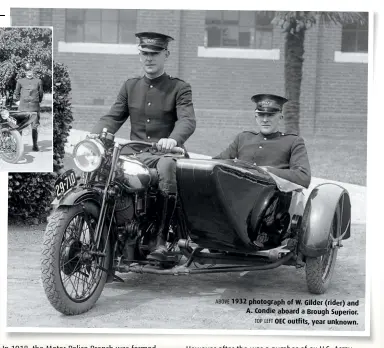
[(230, 216), (11, 125)]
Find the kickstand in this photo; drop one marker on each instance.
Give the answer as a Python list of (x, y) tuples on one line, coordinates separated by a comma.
[(115, 277)]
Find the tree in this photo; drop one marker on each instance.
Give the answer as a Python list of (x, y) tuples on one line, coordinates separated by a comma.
[(19, 46), (294, 25)]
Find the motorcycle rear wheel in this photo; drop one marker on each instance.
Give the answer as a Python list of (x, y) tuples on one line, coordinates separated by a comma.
[(11, 147), (66, 262)]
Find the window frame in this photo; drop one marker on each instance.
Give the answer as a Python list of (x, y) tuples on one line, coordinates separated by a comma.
[(358, 29), (253, 33), (119, 21)]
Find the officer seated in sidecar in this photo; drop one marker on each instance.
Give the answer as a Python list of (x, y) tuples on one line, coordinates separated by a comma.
[(281, 154)]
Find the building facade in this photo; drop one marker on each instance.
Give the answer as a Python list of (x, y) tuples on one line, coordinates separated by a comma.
[(227, 56)]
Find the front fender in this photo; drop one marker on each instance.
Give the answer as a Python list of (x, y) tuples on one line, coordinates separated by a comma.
[(93, 202), (326, 202), (78, 195)]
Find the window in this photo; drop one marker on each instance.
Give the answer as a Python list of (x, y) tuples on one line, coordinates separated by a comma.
[(242, 29), (100, 26), (355, 37), (46, 17)]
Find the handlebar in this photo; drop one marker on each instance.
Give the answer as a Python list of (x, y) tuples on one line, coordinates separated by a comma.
[(175, 150), (131, 143)]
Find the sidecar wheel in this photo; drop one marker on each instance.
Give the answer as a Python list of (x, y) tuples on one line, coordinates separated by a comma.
[(72, 276), (11, 146), (319, 270)]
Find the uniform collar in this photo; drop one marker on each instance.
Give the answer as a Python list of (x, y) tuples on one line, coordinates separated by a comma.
[(270, 136), (155, 80)]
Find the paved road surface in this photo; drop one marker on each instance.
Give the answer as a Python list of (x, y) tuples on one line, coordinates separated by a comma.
[(184, 302)]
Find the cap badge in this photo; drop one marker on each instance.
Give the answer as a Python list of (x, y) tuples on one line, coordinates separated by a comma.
[(265, 103)]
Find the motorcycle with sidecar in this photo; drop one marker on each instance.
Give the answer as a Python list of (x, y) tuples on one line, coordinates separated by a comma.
[(11, 125), (231, 216)]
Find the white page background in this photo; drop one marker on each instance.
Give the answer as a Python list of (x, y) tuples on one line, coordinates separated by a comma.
[(375, 194)]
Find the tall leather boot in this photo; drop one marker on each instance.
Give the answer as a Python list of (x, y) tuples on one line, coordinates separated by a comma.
[(34, 139), (168, 204)]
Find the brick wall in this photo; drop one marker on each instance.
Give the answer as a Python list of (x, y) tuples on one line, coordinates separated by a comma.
[(333, 95)]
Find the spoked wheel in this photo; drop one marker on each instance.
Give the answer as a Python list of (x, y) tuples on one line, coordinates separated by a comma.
[(319, 270), (73, 271), (11, 146)]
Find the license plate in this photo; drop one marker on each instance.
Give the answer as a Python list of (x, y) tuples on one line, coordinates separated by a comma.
[(65, 183)]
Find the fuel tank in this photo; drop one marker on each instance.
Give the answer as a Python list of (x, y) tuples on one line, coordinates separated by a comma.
[(219, 198), (137, 175)]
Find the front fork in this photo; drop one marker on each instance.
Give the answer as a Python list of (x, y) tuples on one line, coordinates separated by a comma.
[(106, 193)]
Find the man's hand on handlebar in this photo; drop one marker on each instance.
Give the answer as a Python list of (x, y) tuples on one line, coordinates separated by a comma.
[(166, 144)]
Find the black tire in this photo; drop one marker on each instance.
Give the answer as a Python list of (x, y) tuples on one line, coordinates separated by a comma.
[(54, 269), (11, 142), (319, 270)]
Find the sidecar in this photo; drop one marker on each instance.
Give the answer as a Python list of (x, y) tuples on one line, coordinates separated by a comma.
[(247, 217)]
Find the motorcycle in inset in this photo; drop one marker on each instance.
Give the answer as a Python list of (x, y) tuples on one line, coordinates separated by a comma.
[(11, 125), (231, 216)]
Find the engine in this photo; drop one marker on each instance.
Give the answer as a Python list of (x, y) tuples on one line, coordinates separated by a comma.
[(135, 221)]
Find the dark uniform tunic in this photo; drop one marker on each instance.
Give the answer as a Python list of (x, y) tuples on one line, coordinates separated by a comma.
[(158, 108), (285, 155), (30, 93)]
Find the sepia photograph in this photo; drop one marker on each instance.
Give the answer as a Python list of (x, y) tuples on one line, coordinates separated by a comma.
[(209, 175), (26, 99)]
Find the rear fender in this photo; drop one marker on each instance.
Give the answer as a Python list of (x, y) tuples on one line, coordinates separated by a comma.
[(325, 203)]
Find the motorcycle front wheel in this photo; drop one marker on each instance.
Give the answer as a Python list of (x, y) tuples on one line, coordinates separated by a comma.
[(11, 146), (73, 271)]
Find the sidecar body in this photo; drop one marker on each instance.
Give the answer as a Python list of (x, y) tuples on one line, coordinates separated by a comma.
[(23, 119), (229, 205)]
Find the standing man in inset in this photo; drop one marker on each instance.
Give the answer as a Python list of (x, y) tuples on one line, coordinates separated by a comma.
[(29, 92), (161, 110)]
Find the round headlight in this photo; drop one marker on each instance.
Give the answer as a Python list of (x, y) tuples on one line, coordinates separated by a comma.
[(88, 155)]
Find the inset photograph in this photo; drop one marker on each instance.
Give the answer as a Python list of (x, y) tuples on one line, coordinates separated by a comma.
[(26, 99)]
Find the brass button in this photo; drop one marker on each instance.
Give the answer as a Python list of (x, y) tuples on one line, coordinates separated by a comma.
[(254, 164), (149, 104), (265, 138), (150, 86), (260, 147), (148, 137), (148, 120)]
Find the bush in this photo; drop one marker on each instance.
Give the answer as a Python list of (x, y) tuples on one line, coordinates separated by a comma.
[(30, 194), (62, 112)]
